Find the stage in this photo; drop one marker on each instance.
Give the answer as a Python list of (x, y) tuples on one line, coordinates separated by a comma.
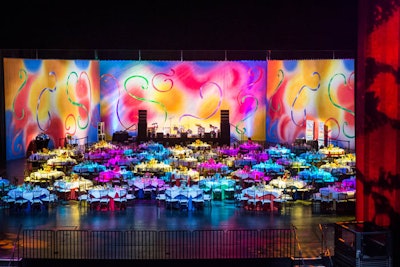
[(184, 139), (213, 139)]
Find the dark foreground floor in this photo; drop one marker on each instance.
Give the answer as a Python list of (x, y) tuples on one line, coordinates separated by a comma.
[(147, 215)]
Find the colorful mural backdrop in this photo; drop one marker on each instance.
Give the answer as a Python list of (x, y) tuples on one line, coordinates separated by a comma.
[(310, 90), (181, 96), (69, 97), (52, 98)]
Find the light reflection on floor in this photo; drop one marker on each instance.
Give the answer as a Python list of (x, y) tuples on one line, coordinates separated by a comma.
[(151, 217)]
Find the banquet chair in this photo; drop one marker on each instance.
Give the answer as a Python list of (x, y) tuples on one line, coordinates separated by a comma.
[(20, 201), (238, 195), (287, 194), (252, 202), (121, 200), (316, 196), (104, 200), (326, 202), (148, 192), (160, 197), (207, 198), (198, 201), (63, 193), (131, 193), (7, 201), (116, 182), (267, 203), (49, 200), (316, 202), (217, 194), (292, 192), (341, 203), (170, 202), (130, 197), (241, 200), (248, 183), (279, 204), (325, 195), (351, 204), (44, 183), (342, 196), (93, 201), (36, 202), (183, 200), (82, 192), (82, 198), (229, 195)]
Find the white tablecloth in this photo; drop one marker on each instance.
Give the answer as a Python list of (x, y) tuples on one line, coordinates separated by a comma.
[(176, 192), (110, 192), (27, 193), (41, 174), (333, 192), (260, 193), (80, 183)]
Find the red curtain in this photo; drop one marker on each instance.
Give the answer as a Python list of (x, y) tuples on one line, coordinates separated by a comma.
[(378, 113)]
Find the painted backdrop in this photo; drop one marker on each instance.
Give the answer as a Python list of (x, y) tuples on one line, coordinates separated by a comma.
[(267, 100), (182, 95), (311, 90), (51, 97)]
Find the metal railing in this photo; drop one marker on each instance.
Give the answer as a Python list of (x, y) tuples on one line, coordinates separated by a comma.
[(15, 256), (181, 55), (156, 245)]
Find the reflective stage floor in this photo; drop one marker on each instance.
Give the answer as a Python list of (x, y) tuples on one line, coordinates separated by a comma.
[(147, 215)]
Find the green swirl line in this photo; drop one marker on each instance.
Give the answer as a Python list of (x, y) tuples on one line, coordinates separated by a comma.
[(330, 96), (144, 87), (76, 103), (280, 75), (19, 90), (344, 131), (248, 115), (338, 106)]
